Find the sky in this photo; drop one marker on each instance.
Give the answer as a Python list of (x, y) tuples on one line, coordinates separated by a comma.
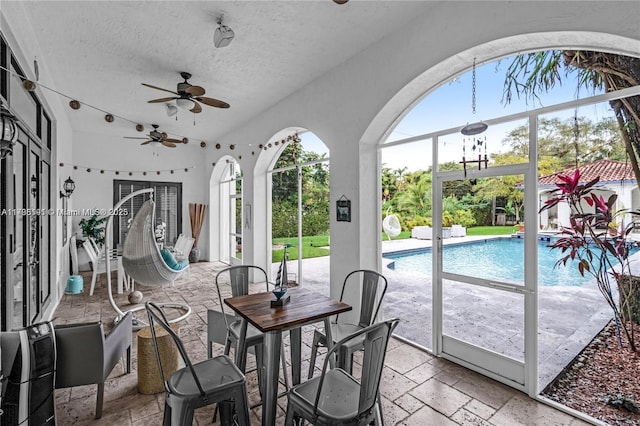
[(450, 106)]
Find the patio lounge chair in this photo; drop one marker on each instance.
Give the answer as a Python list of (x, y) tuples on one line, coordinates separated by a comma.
[(422, 232), (458, 231)]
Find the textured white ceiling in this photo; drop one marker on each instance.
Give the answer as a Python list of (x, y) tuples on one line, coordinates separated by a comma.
[(100, 51)]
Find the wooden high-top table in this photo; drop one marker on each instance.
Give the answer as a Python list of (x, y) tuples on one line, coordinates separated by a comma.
[(305, 307)]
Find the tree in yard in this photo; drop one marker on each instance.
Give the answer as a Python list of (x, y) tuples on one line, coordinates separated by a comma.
[(531, 73), (416, 199), (557, 139), (315, 193)]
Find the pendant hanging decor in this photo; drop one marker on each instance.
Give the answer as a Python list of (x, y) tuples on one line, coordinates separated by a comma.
[(472, 130)]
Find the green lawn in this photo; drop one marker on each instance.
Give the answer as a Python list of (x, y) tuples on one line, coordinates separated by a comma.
[(492, 230), (312, 246)]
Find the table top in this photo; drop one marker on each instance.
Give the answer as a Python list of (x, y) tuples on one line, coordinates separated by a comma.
[(304, 307)]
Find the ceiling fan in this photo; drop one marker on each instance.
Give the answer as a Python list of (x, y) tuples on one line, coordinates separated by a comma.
[(159, 137), (187, 95)]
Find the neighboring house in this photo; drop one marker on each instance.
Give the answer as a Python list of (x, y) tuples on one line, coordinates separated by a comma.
[(616, 177)]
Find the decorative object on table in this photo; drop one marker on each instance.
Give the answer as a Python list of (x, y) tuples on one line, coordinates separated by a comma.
[(135, 297), (280, 290), (343, 209), (196, 216)]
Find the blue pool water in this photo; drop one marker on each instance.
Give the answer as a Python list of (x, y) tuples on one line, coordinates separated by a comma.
[(499, 259)]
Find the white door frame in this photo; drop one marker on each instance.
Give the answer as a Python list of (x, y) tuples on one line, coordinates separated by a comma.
[(517, 374)]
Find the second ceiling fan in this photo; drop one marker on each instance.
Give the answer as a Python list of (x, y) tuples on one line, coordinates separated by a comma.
[(158, 137), (188, 96)]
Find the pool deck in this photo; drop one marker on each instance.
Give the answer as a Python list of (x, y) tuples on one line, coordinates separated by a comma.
[(569, 317)]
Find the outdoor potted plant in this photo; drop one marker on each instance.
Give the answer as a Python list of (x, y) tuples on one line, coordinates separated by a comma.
[(93, 227), (598, 252)]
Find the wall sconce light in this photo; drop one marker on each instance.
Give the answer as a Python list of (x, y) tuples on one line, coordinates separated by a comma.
[(9, 132), (69, 186), (34, 185)]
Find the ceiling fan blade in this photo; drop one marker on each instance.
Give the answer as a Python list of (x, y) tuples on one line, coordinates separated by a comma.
[(146, 143), (168, 144), (134, 137), (172, 140), (212, 102), (159, 88), (156, 101), (195, 90), (196, 108)]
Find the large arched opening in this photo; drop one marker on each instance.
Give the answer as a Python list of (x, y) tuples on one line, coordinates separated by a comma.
[(514, 363)]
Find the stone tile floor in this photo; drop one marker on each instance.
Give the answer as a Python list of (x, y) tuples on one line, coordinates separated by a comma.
[(417, 388)]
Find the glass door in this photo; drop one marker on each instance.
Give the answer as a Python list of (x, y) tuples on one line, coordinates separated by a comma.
[(27, 234), (33, 223), (13, 202), (485, 287)]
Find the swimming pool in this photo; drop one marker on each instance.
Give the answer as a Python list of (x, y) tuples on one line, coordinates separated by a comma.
[(498, 259)]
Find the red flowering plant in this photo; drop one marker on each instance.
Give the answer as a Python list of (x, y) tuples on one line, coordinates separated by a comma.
[(594, 240)]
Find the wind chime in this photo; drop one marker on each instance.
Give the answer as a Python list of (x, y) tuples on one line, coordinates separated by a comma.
[(472, 130)]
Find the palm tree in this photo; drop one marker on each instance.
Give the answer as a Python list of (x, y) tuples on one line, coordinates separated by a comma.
[(416, 198), (530, 73)]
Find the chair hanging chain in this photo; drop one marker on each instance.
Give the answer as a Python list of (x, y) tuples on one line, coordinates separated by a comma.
[(473, 87)]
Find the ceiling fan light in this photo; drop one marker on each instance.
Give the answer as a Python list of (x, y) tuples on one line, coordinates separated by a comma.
[(171, 110), (222, 36), (185, 103)]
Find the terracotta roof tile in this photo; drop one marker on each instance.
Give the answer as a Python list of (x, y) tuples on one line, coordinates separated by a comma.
[(607, 170)]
